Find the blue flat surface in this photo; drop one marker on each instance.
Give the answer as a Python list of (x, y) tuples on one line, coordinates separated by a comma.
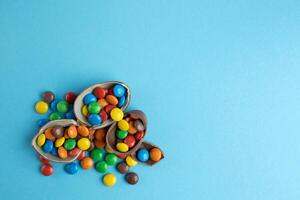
[(219, 81)]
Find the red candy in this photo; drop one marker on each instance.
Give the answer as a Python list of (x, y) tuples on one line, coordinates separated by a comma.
[(70, 97), (108, 108), (81, 156), (44, 160), (139, 135), (47, 169), (74, 152), (110, 91), (122, 156), (130, 141), (103, 115), (99, 92)]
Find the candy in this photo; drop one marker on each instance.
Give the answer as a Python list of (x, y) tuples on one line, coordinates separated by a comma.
[(132, 129), (89, 98), (70, 115), (155, 154), (118, 90), (46, 169), (41, 139), (130, 161), (99, 143), (84, 144), (48, 146), (62, 153), (116, 114), (94, 119), (109, 108), (121, 102), (70, 144), (83, 130), (99, 92), (123, 168), (109, 180), (121, 134), (96, 154), (41, 107), (48, 134), (48, 96), (130, 141), (54, 151), (123, 125), (70, 97), (42, 122), (122, 156), (59, 142), (57, 131), (62, 106), (122, 147), (72, 131), (132, 178), (44, 160), (111, 159), (100, 134), (82, 155), (143, 155), (139, 135), (74, 152), (84, 110), (54, 116), (111, 99), (102, 103), (94, 108), (87, 163), (53, 104), (101, 166), (71, 168), (138, 124), (103, 115)]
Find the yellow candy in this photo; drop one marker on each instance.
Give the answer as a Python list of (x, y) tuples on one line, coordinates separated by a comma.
[(84, 110), (41, 107), (41, 140), (84, 144), (122, 147), (130, 161), (109, 180), (123, 125), (59, 142), (116, 114)]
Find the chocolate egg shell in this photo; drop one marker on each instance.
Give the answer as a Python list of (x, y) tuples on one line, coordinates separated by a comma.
[(111, 138), (49, 156), (148, 146), (79, 102)]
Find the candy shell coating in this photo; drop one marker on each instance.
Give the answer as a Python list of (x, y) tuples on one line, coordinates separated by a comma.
[(48, 96), (96, 154), (53, 105), (46, 169), (62, 152), (118, 90), (130, 161), (70, 97), (41, 107), (116, 114), (121, 102), (121, 134), (62, 106), (42, 122), (70, 144), (143, 155), (71, 168), (83, 130), (111, 99), (59, 142), (54, 151), (54, 116), (87, 163), (109, 180), (101, 166), (48, 146), (94, 108), (130, 141), (84, 144), (155, 154), (41, 140), (89, 98), (94, 119), (122, 147), (99, 92), (84, 110), (123, 125), (111, 159)]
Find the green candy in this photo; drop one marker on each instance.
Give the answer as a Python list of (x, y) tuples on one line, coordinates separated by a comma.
[(54, 116), (96, 154), (101, 166), (62, 106), (70, 144), (121, 134), (94, 108), (111, 159)]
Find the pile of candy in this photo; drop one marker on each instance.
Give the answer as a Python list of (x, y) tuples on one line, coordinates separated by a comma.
[(91, 142)]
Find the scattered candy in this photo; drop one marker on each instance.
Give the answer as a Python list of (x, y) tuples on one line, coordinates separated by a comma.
[(41, 107), (109, 180), (101, 166), (132, 178), (130, 161), (71, 168), (87, 163), (111, 159), (143, 155), (155, 154), (123, 168), (47, 169), (48, 96)]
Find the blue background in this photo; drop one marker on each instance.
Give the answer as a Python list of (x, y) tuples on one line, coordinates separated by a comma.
[(219, 81)]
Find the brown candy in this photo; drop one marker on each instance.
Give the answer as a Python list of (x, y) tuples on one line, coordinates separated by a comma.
[(57, 131), (48, 96), (132, 178), (138, 124), (123, 168)]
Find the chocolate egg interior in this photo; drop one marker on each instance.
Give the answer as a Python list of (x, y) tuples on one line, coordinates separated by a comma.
[(79, 102), (148, 146), (111, 138)]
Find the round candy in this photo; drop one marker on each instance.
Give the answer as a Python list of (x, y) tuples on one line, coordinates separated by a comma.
[(57, 131), (123, 125), (94, 119), (54, 116), (84, 110), (118, 90), (62, 152), (72, 131), (108, 108), (70, 115), (123, 168), (121, 102), (48, 96), (130, 161), (143, 155), (132, 129), (83, 130), (48, 134), (53, 104), (102, 103), (94, 108), (103, 115), (121, 134), (84, 144), (101, 166), (70, 144), (111, 159), (122, 156), (41, 139), (109, 180), (42, 122), (96, 154), (111, 99), (70, 97), (48, 146), (132, 178), (122, 147), (59, 142), (89, 98), (74, 152), (44, 160), (155, 154), (139, 135), (87, 163), (100, 134), (41, 107), (62, 106), (130, 141), (71, 168), (47, 169), (99, 92), (54, 151), (116, 114), (138, 124)]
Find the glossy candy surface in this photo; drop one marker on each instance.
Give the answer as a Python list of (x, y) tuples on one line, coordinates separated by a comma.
[(71, 168), (101, 166), (130, 161), (96, 154), (48, 146), (46, 169), (116, 114), (123, 125), (87, 163), (143, 155), (84, 144), (109, 180), (41, 107), (111, 159), (155, 154), (122, 147), (89, 98), (94, 119), (119, 90)]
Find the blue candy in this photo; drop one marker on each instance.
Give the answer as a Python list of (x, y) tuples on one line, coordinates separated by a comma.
[(94, 119), (71, 168), (118, 90), (121, 101), (54, 151), (70, 114), (89, 98), (42, 122), (48, 146), (143, 155), (53, 104)]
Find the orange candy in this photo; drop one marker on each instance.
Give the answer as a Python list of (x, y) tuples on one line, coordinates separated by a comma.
[(112, 100), (72, 131), (91, 132), (62, 153), (87, 163), (49, 135), (83, 130), (99, 143), (102, 103), (132, 129), (155, 154), (100, 134)]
